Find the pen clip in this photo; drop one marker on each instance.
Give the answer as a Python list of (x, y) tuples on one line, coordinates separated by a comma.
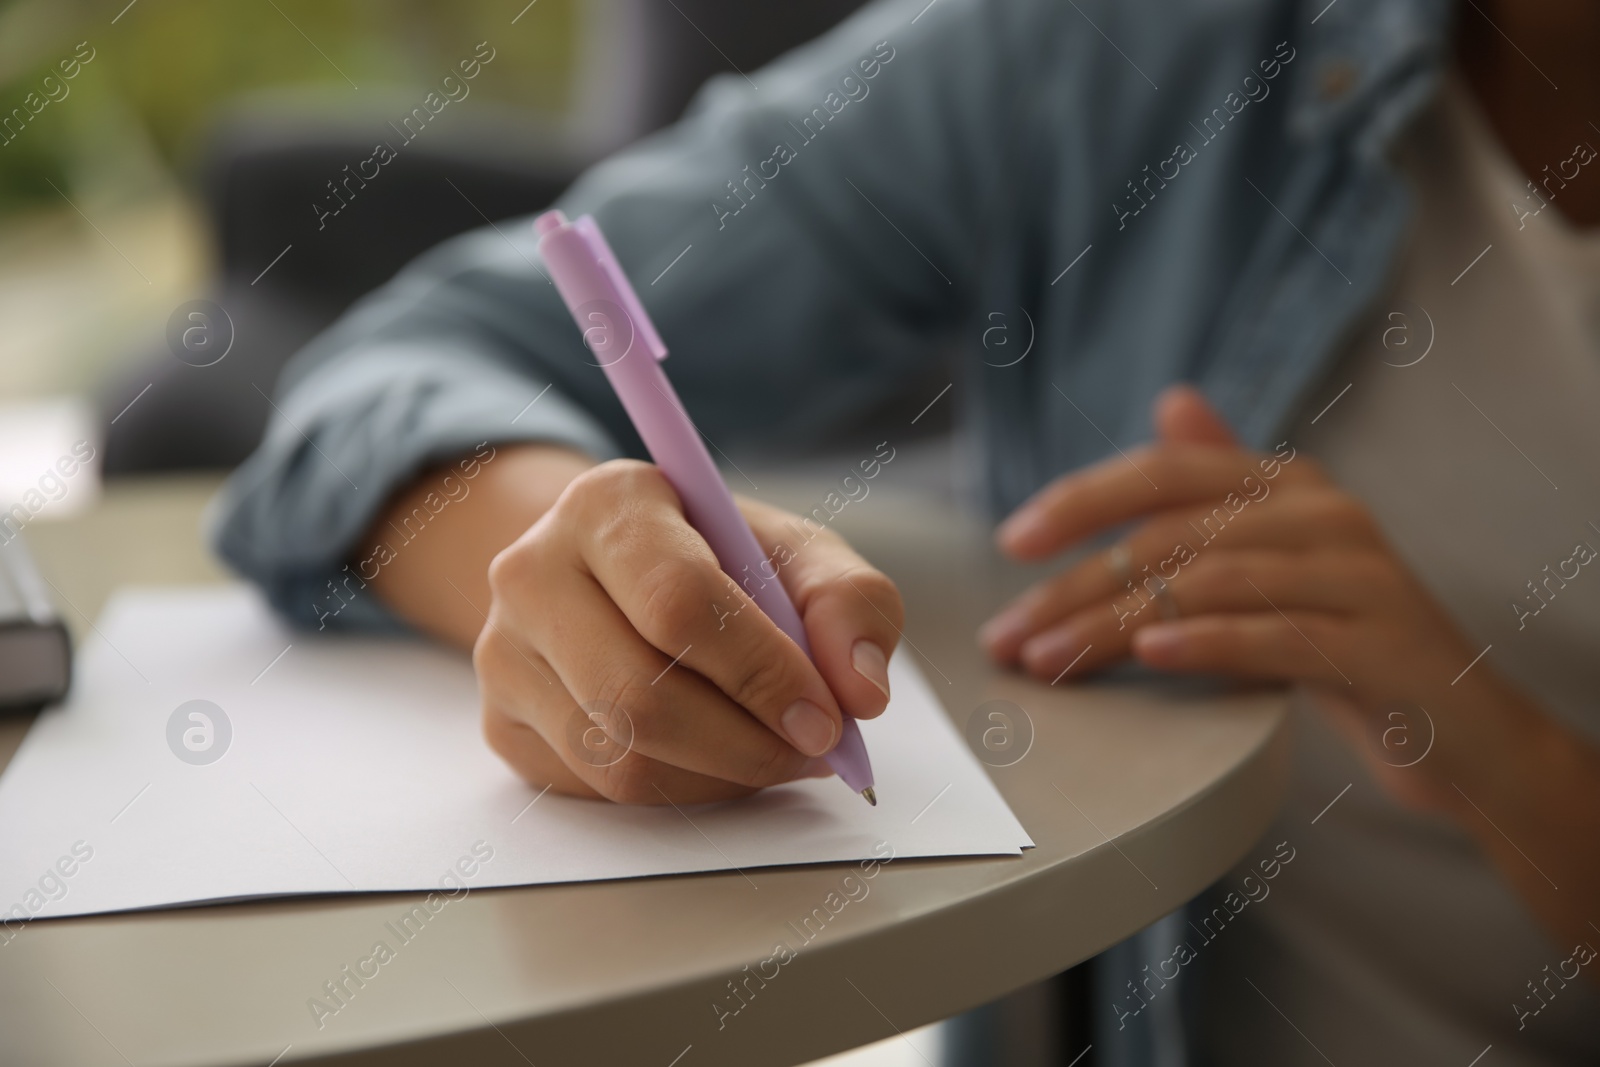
[(644, 328)]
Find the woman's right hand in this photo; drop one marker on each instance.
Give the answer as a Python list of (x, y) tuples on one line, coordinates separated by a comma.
[(619, 661)]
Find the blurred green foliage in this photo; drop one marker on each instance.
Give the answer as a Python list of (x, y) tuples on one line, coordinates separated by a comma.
[(164, 68)]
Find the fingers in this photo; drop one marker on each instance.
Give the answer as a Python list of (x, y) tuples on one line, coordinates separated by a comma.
[(675, 713), (1091, 582), (1303, 646), (1182, 413), (1103, 631), (852, 611), (633, 779), (623, 749), (1126, 487), (1197, 455), (669, 712), (527, 752), (1171, 544), (669, 587)]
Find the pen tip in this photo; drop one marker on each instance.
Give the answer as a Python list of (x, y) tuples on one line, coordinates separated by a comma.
[(872, 798)]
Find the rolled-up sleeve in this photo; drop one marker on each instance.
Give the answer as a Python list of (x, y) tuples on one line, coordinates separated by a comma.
[(804, 239)]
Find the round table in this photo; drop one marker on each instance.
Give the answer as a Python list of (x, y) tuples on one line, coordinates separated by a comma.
[(1137, 796)]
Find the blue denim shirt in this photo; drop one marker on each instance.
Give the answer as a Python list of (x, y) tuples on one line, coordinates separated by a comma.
[(1146, 190)]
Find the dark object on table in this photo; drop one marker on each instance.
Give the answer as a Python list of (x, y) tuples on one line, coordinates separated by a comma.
[(35, 649)]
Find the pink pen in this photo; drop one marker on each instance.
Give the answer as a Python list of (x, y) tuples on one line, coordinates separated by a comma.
[(614, 323)]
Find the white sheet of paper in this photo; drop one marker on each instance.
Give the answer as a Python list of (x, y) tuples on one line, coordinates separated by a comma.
[(356, 764)]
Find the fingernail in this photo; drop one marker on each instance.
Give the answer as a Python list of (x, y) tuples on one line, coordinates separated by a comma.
[(870, 662), (1158, 641), (1052, 650), (1021, 526), (809, 728), (1003, 629)]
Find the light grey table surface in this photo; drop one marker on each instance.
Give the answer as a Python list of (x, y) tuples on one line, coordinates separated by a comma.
[(1137, 799)]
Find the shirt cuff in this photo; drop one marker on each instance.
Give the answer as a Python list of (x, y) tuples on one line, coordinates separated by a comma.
[(350, 434)]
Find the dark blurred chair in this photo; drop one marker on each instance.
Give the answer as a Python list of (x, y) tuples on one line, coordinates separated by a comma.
[(261, 172)]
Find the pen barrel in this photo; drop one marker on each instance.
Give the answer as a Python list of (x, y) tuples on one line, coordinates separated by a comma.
[(681, 456), (624, 344), (679, 453), (625, 348)]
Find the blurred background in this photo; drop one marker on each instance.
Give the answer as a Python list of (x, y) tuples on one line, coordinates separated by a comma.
[(165, 166)]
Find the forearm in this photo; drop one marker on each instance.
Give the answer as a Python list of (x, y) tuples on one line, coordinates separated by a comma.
[(1534, 808), (437, 579)]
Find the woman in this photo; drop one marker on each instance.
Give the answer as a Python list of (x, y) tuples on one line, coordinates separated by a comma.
[(1353, 227)]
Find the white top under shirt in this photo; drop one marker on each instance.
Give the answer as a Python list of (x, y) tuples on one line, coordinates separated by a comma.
[(1390, 939)]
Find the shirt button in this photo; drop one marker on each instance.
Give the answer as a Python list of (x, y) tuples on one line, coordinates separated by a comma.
[(1336, 79)]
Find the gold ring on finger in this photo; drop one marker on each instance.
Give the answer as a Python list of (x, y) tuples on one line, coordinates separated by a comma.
[(1119, 561)]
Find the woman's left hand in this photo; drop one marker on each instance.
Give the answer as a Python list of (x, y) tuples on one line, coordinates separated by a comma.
[(1253, 566)]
